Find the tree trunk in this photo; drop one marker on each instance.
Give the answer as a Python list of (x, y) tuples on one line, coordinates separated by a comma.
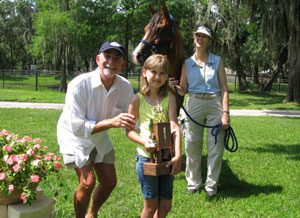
[(63, 78), (293, 94), (255, 74), (127, 30), (291, 8), (266, 86), (243, 84)]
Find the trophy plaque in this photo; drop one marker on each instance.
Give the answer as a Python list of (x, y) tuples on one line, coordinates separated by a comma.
[(164, 152)]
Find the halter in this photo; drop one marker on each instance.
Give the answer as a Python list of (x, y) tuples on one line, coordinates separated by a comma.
[(156, 48)]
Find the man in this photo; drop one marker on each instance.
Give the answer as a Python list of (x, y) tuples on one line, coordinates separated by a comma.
[(95, 102)]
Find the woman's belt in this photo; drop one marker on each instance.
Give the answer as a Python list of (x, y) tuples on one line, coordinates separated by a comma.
[(204, 95)]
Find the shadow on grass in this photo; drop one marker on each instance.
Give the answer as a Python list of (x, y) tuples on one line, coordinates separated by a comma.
[(233, 187), (292, 151)]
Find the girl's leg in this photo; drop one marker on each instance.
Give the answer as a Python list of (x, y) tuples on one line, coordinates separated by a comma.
[(150, 208), (164, 207)]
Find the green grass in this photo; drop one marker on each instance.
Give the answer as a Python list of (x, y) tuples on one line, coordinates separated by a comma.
[(260, 180), (248, 100)]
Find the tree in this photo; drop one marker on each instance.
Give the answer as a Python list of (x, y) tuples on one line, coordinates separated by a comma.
[(280, 26), (15, 33)]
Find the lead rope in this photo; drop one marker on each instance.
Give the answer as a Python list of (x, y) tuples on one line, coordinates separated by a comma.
[(229, 133)]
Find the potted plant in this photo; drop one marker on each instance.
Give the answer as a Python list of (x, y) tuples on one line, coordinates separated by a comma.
[(24, 163)]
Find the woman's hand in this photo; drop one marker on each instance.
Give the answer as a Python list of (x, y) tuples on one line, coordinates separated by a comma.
[(225, 120), (173, 82)]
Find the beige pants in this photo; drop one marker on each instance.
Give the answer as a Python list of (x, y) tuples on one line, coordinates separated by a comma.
[(208, 112)]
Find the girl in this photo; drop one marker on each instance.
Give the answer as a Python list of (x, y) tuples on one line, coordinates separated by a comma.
[(154, 102)]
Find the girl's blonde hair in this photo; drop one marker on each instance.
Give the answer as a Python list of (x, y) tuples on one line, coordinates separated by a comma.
[(160, 61)]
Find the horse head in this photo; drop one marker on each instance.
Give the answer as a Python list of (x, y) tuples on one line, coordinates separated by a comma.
[(161, 36)]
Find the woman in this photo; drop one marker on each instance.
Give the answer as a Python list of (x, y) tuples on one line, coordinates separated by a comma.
[(203, 78)]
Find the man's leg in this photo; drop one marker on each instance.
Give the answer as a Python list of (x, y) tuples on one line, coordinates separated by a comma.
[(84, 190), (107, 178)]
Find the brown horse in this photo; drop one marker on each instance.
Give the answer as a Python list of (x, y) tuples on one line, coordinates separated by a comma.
[(162, 36)]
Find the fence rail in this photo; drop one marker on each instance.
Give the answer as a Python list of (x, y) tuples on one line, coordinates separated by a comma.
[(43, 79)]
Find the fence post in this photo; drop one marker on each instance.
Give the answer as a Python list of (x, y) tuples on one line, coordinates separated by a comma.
[(3, 78), (235, 83)]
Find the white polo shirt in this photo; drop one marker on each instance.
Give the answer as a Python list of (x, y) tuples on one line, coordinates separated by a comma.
[(87, 102)]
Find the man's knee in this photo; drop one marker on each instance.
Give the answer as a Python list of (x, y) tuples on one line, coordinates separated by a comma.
[(88, 184)]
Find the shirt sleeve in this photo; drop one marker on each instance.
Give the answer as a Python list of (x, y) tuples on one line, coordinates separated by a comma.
[(77, 101)]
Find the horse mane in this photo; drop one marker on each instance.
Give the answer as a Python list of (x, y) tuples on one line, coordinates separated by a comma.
[(176, 56)]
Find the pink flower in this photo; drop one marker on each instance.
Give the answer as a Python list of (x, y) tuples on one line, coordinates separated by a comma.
[(35, 162), (35, 178), (27, 138), (11, 188), (37, 140), (57, 165), (30, 151), (14, 158), (23, 197), (5, 158), (37, 146), (49, 156), (7, 148), (16, 168), (10, 161), (4, 132), (2, 176)]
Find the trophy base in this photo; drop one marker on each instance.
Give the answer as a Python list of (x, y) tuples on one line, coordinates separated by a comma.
[(156, 169)]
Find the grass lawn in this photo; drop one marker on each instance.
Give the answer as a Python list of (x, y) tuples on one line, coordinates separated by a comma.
[(260, 180), (249, 100)]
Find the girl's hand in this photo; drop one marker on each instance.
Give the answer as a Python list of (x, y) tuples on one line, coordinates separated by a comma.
[(150, 145), (175, 163)]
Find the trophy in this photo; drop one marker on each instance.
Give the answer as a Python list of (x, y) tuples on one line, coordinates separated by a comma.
[(161, 134)]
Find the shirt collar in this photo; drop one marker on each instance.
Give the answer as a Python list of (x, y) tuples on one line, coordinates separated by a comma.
[(195, 62), (96, 81)]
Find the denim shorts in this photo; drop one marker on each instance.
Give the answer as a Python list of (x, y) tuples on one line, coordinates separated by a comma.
[(160, 187)]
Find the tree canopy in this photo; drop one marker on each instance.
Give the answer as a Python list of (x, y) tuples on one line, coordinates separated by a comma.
[(252, 36)]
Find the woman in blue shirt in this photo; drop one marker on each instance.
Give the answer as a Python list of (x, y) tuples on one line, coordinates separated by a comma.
[(203, 78)]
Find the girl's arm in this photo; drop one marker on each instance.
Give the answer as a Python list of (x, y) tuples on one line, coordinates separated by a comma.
[(224, 95), (176, 160), (133, 109)]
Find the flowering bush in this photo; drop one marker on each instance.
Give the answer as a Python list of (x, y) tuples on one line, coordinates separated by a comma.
[(24, 162)]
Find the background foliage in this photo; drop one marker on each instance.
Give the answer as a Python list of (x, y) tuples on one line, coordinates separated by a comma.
[(65, 35)]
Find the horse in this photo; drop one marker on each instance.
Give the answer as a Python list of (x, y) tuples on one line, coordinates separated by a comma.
[(162, 36)]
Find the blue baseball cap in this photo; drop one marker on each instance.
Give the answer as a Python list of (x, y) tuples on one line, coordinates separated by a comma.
[(112, 45)]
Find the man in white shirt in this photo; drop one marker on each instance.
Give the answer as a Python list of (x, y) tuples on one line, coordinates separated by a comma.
[(95, 102)]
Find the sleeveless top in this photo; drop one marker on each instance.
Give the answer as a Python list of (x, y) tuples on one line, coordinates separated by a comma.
[(149, 114), (203, 79)]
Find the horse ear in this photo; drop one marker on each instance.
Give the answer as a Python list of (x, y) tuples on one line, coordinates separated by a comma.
[(164, 9), (152, 10)]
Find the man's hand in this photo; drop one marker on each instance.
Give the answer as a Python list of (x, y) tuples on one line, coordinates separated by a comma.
[(124, 120)]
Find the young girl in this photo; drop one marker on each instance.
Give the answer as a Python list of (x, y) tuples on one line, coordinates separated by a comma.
[(154, 102)]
